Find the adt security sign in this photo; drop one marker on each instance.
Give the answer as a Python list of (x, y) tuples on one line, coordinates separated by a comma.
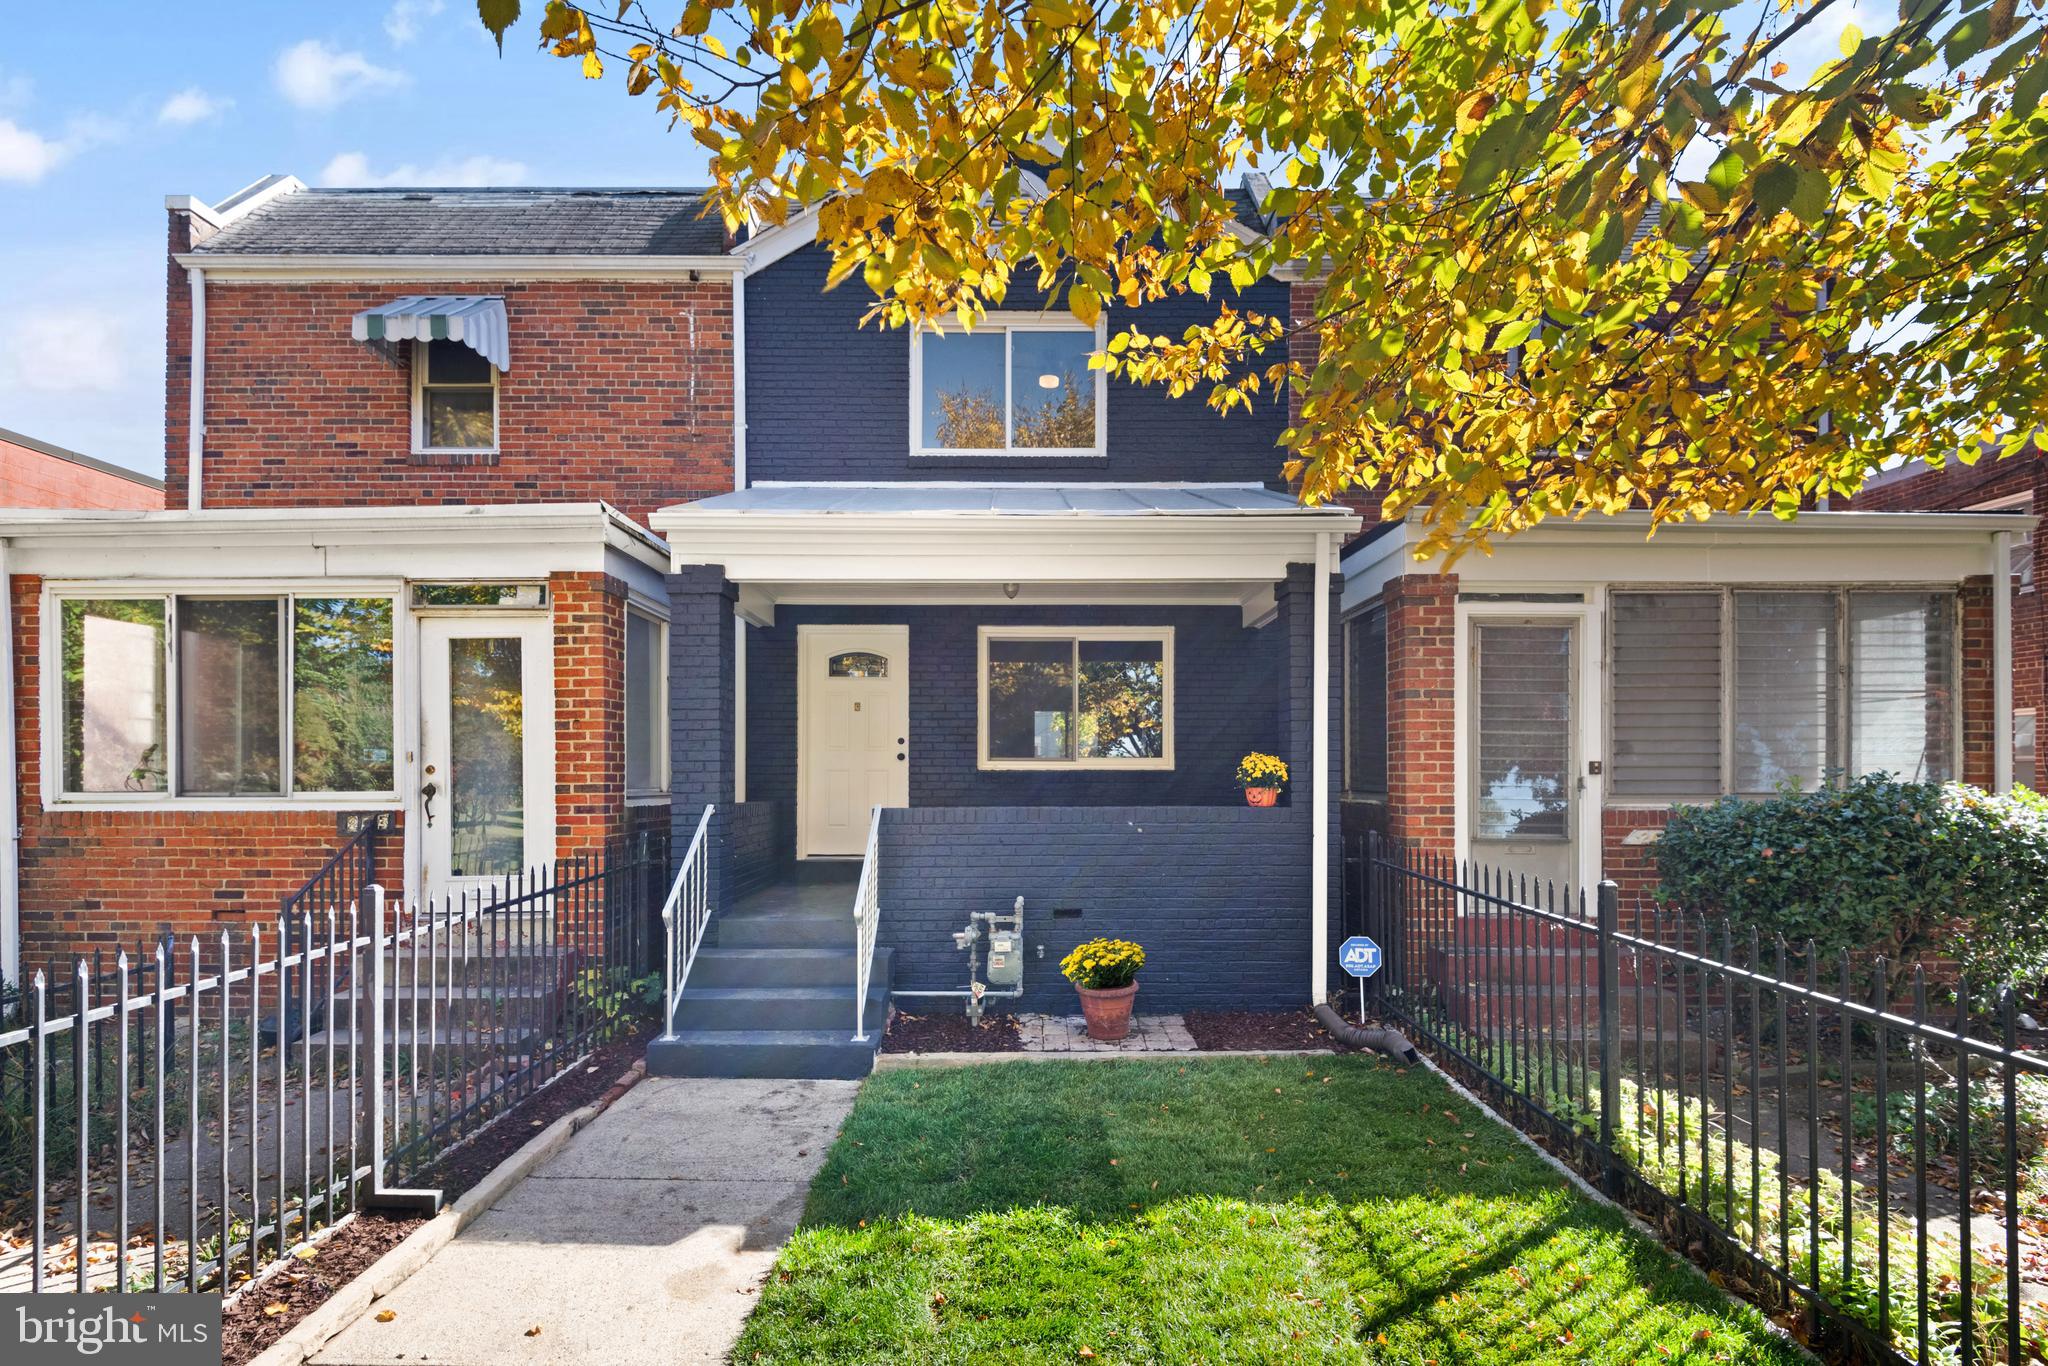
[(1359, 956)]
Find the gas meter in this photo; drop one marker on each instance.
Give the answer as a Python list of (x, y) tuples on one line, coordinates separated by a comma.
[(1005, 958)]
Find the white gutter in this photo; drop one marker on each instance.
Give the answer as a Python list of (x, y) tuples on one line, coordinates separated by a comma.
[(2001, 661), (739, 380), (195, 390), (10, 793), (397, 269), (1319, 780)]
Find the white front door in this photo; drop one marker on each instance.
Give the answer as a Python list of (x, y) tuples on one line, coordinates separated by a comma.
[(853, 736), (486, 801)]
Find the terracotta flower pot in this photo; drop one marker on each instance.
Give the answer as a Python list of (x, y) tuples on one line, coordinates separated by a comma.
[(1261, 796), (1108, 1011)]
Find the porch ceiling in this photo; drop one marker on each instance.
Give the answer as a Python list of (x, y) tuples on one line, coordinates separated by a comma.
[(1222, 543)]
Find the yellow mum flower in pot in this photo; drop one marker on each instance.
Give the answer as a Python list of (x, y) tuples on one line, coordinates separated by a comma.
[(1105, 975), (1261, 776)]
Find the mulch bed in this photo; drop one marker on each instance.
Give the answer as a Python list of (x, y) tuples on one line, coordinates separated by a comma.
[(1252, 1030), (951, 1034), (249, 1327)]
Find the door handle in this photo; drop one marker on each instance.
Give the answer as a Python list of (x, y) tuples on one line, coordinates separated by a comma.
[(427, 795)]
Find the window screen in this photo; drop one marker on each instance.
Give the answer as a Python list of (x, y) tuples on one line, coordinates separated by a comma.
[(1525, 730), (1365, 711), (1784, 689), (1902, 685), (1667, 695)]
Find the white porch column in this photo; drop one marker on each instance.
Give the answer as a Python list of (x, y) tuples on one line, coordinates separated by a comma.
[(2001, 661), (1319, 780), (739, 709)]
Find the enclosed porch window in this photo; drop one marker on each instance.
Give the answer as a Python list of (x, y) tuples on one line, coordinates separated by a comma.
[(211, 696), (1076, 697), (1749, 691)]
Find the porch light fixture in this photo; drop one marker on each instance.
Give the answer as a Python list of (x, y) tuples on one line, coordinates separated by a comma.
[(1048, 381), (1010, 590)]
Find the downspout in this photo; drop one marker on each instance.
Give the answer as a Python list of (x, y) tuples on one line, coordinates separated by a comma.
[(10, 802), (195, 414), (739, 379), (2001, 661), (1319, 784)]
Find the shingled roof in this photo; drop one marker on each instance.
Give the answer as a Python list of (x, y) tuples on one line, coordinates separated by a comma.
[(474, 222)]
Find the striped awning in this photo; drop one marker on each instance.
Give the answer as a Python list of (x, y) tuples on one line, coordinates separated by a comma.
[(475, 320)]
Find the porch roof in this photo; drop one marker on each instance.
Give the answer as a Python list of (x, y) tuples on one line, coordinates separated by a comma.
[(968, 542)]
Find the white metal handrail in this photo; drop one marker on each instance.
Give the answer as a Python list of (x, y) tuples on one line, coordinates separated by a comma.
[(685, 915), (867, 913)]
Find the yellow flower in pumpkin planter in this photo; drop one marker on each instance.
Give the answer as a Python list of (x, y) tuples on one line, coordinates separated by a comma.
[(1105, 974), (1261, 776)]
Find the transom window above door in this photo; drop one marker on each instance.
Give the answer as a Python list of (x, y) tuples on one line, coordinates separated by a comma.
[(1083, 697), (1017, 385)]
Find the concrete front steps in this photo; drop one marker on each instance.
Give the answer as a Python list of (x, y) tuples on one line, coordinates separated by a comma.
[(771, 993)]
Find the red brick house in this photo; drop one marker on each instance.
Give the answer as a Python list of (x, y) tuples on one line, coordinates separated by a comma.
[(36, 474), (412, 440), (2018, 484), (1541, 709)]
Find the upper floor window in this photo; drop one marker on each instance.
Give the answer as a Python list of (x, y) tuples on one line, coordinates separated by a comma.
[(201, 695), (1017, 385), (454, 399)]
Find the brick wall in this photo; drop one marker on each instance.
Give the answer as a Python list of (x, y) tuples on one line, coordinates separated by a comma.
[(763, 839), (30, 478), (1422, 752), (1978, 757), (1224, 682), (802, 340), (618, 390), (1218, 897), (110, 877)]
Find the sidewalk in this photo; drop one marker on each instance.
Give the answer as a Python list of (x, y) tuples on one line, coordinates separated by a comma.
[(642, 1241)]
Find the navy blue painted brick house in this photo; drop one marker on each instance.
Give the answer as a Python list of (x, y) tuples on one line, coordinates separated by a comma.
[(980, 624)]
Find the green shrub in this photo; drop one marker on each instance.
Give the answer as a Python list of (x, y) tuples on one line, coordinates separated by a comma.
[(1875, 866)]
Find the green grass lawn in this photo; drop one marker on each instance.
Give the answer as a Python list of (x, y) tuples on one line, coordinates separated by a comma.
[(1330, 1209)]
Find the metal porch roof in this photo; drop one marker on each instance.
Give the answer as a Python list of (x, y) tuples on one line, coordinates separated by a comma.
[(1003, 500)]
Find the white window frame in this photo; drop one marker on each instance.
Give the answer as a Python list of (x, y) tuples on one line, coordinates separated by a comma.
[(1009, 323), (658, 793), (1161, 634), (1839, 741), (2022, 541), (419, 408), (51, 645)]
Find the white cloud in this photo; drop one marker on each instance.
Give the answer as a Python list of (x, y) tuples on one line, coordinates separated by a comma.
[(193, 105), (26, 156), (402, 20), (63, 350), (353, 169), (16, 90), (313, 75)]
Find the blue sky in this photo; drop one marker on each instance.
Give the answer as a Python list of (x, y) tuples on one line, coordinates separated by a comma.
[(106, 109)]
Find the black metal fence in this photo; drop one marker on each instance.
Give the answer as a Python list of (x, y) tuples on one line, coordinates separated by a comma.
[(1827, 1137), (189, 1119)]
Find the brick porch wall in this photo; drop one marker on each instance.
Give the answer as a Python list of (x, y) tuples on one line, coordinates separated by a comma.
[(109, 879), (1422, 750)]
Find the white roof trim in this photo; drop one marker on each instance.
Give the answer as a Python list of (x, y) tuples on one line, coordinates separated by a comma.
[(765, 248), (475, 320), (230, 268), (241, 203), (1242, 484), (410, 541)]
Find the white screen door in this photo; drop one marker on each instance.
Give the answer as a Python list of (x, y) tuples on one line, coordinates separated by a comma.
[(1523, 777), (486, 801), (853, 755)]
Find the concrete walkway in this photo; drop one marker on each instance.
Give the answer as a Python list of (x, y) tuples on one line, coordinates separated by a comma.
[(642, 1241)]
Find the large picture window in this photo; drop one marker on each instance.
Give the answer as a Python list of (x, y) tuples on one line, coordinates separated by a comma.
[(1076, 698), (1748, 691), (1012, 386), (217, 696)]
